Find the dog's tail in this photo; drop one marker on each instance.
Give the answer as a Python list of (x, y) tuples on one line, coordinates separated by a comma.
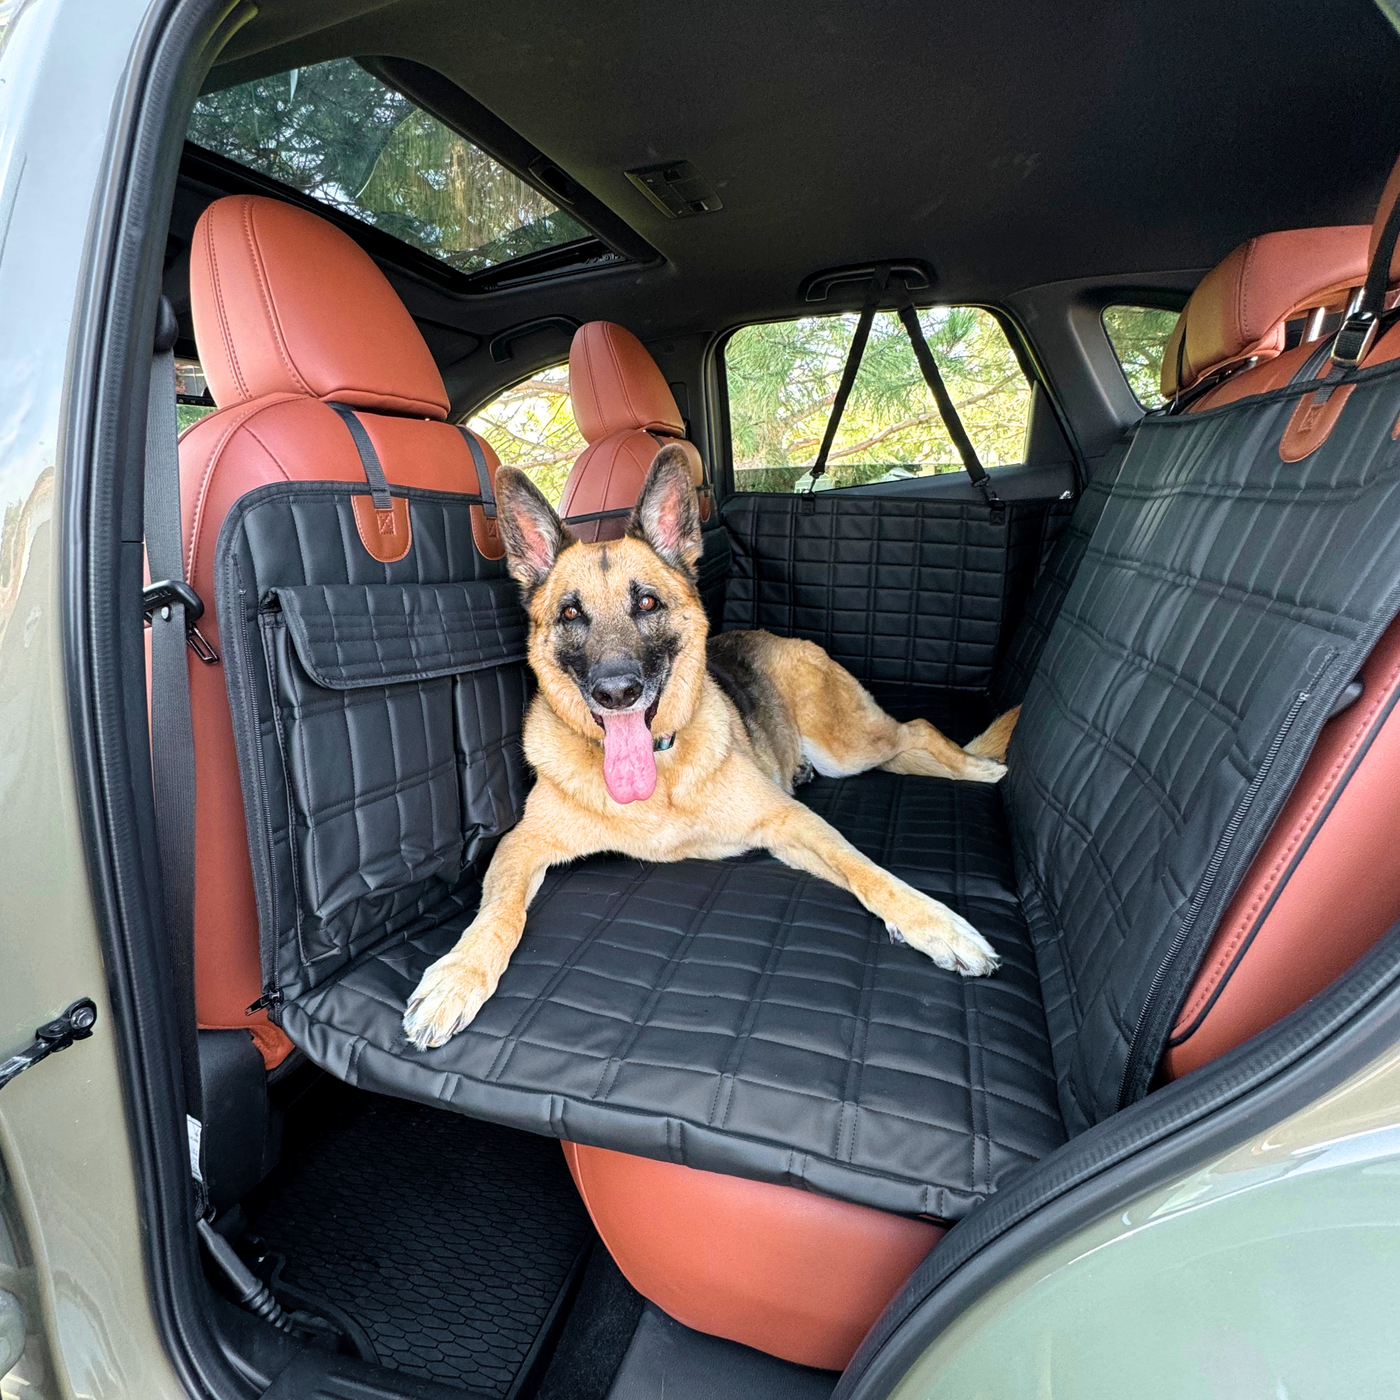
[(992, 741)]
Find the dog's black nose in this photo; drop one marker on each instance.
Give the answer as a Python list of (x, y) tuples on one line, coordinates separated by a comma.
[(617, 692)]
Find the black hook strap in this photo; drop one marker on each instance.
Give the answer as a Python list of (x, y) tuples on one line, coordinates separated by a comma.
[(947, 410), (1358, 332), (369, 459), (484, 486), (848, 375)]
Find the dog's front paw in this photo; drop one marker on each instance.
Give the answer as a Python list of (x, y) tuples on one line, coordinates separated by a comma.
[(948, 939), (982, 770), (447, 999)]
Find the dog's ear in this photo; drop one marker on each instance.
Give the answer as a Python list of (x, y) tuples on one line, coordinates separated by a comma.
[(532, 533), (667, 515)]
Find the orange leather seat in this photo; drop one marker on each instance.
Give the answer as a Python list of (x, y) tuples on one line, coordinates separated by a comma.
[(754, 1262), (626, 412), (289, 314)]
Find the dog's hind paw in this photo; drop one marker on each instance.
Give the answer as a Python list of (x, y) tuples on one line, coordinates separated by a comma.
[(950, 941), (447, 999)]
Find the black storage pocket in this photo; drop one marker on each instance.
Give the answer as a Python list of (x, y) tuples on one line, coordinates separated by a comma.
[(397, 711)]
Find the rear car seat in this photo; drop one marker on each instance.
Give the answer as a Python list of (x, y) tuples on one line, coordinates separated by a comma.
[(739, 1017)]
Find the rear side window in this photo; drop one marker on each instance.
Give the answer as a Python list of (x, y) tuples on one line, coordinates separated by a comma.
[(783, 376), (532, 426), (192, 397), (1139, 336)]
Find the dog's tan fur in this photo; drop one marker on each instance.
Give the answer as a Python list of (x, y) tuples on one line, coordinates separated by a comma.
[(724, 787)]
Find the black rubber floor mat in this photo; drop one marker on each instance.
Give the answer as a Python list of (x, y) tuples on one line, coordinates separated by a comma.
[(450, 1241)]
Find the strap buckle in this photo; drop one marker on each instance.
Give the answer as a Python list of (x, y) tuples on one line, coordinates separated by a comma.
[(1353, 342), (162, 596)]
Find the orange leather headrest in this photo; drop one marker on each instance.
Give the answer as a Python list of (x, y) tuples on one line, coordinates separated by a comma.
[(285, 303), (616, 386), (1388, 197), (1238, 310)]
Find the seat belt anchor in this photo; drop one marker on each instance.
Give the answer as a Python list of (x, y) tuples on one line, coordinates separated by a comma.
[(162, 596)]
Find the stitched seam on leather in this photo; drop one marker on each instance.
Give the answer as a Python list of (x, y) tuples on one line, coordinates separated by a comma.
[(1223, 962), (249, 412), (1242, 326), (212, 263), (587, 358), (274, 323), (621, 378)]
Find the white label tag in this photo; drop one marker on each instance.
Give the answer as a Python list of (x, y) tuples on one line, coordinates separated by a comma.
[(196, 1133)]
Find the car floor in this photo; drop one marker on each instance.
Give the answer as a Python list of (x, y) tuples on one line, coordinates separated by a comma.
[(455, 1245)]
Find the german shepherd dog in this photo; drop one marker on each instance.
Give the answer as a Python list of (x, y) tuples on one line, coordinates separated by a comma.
[(647, 742)]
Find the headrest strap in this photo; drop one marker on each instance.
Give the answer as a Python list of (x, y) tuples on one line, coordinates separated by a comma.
[(369, 459), (1358, 332), (483, 473)]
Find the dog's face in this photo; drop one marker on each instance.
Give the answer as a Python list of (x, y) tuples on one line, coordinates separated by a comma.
[(617, 632)]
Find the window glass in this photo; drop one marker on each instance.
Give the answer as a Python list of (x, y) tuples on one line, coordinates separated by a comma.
[(1139, 335), (335, 132), (532, 426), (192, 397), (783, 376)]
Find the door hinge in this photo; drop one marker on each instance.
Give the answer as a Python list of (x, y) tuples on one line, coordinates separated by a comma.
[(75, 1024)]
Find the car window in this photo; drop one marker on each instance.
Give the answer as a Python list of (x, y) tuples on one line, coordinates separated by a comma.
[(1139, 335), (192, 397), (783, 375), (337, 133), (532, 426)]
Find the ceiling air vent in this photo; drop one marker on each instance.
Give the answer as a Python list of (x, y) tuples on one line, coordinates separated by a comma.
[(677, 188)]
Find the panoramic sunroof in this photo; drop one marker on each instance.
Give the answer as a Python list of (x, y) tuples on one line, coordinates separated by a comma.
[(335, 132)]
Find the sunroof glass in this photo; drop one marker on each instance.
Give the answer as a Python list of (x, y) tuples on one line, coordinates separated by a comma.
[(335, 132)]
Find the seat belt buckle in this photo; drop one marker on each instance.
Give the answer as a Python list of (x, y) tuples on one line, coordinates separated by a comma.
[(162, 596), (1353, 342)]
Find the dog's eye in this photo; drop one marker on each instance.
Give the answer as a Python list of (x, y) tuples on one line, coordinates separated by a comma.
[(646, 603), (569, 613)]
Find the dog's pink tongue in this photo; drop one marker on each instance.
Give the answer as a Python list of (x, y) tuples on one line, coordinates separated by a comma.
[(629, 765)]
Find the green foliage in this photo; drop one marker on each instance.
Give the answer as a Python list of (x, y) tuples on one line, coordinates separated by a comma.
[(532, 426), (783, 377), (187, 413), (335, 132), (1139, 335)]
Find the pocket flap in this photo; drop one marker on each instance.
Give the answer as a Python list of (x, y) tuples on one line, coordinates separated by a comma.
[(349, 635)]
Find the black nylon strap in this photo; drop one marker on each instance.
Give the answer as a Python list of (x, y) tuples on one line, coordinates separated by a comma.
[(369, 459), (172, 728), (947, 410), (484, 485), (1358, 332), (1378, 274), (848, 374), (616, 514)]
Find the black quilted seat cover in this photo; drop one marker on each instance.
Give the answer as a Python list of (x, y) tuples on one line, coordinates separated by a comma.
[(899, 591), (745, 1018), (738, 1017)]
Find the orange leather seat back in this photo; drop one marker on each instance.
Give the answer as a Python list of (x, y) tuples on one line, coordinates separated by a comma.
[(626, 412), (289, 315)]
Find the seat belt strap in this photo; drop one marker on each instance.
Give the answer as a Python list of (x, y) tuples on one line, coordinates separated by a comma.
[(173, 608), (1358, 332), (848, 375), (947, 410)]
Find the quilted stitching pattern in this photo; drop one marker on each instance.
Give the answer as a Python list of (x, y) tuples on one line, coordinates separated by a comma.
[(1018, 663), (737, 1016), (1224, 599), (897, 590), (389, 702)]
